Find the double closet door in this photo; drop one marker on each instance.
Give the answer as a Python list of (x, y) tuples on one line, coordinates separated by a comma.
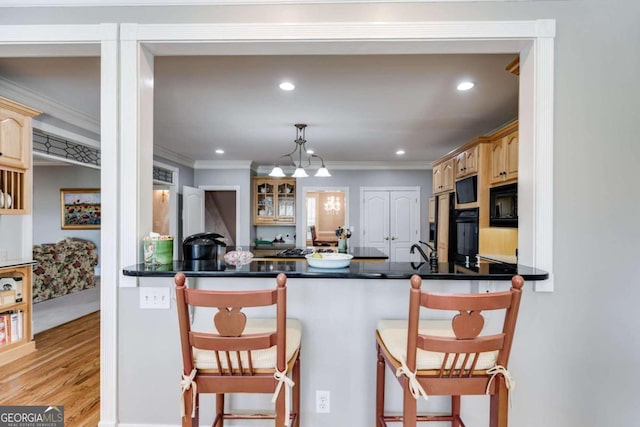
[(390, 221)]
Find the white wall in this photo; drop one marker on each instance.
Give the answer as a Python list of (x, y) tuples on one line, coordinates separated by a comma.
[(47, 182), (12, 239)]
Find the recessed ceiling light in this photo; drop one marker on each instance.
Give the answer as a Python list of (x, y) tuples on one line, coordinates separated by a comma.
[(310, 151), (287, 86), (400, 152), (219, 151), (465, 85)]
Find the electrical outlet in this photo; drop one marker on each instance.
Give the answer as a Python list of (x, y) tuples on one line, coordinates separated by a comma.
[(154, 297), (323, 401)]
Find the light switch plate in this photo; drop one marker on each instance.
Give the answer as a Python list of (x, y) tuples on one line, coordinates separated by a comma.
[(154, 297)]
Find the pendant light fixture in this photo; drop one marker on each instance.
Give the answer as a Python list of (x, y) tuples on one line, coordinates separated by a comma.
[(300, 171)]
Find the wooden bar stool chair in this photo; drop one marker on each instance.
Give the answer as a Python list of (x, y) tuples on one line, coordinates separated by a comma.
[(451, 358), (239, 354)]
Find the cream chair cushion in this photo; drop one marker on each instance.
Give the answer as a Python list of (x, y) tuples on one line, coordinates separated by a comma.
[(264, 359), (393, 334)]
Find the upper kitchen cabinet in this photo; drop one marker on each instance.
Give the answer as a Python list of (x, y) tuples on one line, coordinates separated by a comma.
[(274, 201), (504, 156), (443, 176), (15, 134), (15, 157), (466, 163)]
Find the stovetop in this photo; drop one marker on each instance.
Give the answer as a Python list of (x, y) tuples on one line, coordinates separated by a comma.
[(293, 252)]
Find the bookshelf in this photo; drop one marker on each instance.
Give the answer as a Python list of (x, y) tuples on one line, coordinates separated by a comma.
[(16, 339)]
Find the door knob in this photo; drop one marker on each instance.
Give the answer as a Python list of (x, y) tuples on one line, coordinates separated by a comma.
[(386, 238), (393, 238)]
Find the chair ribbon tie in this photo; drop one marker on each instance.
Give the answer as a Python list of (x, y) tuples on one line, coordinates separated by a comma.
[(414, 385), (186, 383), (509, 382), (282, 378)]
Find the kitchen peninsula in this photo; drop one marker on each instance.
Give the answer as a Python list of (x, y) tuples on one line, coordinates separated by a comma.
[(338, 310)]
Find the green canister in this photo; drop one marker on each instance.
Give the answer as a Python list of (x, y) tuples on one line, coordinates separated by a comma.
[(158, 250)]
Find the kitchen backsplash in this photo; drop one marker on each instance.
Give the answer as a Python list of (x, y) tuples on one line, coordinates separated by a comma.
[(270, 232)]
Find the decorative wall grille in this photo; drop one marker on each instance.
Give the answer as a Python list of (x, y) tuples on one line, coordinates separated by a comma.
[(163, 175), (59, 147)]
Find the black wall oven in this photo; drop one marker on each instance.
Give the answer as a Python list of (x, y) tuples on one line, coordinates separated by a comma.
[(466, 234), (503, 205)]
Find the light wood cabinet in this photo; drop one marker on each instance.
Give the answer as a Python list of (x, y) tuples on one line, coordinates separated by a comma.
[(432, 209), (274, 201), (466, 163), (504, 159), (15, 157), (15, 130), (443, 228), (443, 177), (15, 313)]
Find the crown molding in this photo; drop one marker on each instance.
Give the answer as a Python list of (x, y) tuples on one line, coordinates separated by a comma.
[(223, 164), (49, 106), (173, 156), (16, 107), (380, 165), (359, 166)]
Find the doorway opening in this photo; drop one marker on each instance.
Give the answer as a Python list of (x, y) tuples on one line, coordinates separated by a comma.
[(325, 213), (324, 210), (220, 214)]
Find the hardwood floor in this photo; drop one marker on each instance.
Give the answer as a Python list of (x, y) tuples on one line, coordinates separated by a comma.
[(65, 370)]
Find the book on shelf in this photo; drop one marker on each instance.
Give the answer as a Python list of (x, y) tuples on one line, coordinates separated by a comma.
[(3, 331), (11, 327), (16, 333)]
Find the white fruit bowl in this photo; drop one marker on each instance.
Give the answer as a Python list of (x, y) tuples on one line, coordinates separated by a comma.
[(329, 260)]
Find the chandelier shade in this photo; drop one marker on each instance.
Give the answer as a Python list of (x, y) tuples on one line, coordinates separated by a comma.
[(299, 166)]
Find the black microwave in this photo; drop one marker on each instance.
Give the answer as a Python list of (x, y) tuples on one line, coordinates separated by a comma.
[(503, 205)]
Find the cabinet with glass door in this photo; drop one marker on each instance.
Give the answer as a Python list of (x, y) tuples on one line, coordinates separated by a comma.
[(274, 201)]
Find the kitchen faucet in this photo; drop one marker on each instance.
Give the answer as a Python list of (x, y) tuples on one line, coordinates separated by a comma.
[(433, 259)]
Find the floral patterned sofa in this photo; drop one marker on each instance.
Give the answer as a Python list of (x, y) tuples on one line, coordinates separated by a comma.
[(64, 267)]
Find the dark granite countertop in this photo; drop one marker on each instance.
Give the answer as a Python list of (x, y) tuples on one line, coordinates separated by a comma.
[(359, 253), (356, 270)]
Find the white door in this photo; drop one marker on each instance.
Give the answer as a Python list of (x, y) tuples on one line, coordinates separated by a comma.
[(391, 222), (375, 214), (404, 226), (192, 211)]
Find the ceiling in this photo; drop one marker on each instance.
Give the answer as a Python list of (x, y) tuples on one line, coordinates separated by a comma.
[(358, 108)]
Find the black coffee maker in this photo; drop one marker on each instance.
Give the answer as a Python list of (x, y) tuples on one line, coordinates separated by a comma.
[(204, 247)]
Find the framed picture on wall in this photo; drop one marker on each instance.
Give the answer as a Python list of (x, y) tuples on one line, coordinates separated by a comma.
[(80, 208)]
